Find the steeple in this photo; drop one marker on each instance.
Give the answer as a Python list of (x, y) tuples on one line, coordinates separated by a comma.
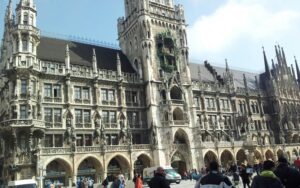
[(267, 69)]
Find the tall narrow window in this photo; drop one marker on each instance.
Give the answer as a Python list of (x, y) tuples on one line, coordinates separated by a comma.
[(105, 117), (104, 95), (57, 115), (87, 116), (48, 115), (25, 45), (57, 91), (48, 90), (112, 117), (77, 92), (85, 93), (78, 116), (25, 19), (23, 112), (111, 95), (23, 87), (58, 140), (33, 87), (48, 140)]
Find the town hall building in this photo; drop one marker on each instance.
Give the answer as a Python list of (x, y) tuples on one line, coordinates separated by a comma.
[(70, 109)]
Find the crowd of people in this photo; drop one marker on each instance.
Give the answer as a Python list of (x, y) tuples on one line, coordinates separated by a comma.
[(264, 175)]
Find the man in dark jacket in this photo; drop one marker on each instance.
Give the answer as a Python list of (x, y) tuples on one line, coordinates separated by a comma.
[(267, 179), (214, 179), (159, 180), (289, 177)]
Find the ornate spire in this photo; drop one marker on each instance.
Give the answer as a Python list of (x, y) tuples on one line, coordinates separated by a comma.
[(199, 73), (297, 70), (267, 69), (278, 56), (245, 82), (293, 71), (283, 57), (9, 13), (94, 61), (226, 64)]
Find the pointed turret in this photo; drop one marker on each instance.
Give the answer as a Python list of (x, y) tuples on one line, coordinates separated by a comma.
[(245, 82), (67, 58), (293, 71), (283, 57), (267, 69), (226, 64), (9, 12), (297, 70), (119, 68), (278, 56), (94, 61)]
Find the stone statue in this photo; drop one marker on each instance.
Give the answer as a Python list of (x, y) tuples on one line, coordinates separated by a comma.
[(97, 122), (122, 135), (153, 134), (69, 122)]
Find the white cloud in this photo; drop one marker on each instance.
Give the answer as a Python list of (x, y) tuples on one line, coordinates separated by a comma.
[(239, 19)]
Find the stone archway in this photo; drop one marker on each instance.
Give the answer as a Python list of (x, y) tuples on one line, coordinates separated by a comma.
[(295, 138), (269, 155), (58, 172), (227, 159), (178, 162), (258, 157), (181, 137), (280, 153), (143, 161), (117, 165), (241, 157), (90, 168), (209, 157)]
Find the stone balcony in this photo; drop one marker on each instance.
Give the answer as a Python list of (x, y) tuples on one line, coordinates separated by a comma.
[(96, 149), (24, 27), (22, 123)]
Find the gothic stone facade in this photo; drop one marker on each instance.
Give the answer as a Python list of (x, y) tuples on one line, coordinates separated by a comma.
[(70, 109)]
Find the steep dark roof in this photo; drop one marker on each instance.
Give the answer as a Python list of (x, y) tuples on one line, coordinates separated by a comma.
[(206, 75), (52, 49)]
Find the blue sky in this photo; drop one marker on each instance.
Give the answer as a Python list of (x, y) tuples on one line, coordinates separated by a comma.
[(232, 29)]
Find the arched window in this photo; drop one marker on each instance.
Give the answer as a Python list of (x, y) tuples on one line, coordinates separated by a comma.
[(177, 114), (25, 18), (176, 93)]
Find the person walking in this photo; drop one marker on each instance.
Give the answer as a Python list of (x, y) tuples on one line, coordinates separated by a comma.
[(138, 182), (245, 176), (289, 177), (214, 178), (105, 183), (267, 178), (159, 180)]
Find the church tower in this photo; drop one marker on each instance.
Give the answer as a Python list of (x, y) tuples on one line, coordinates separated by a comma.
[(153, 36), (26, 36)]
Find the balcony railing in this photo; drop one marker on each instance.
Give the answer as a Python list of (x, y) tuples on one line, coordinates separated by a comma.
[(83, 125), (97, 149), (53, 99), (22, 123)]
